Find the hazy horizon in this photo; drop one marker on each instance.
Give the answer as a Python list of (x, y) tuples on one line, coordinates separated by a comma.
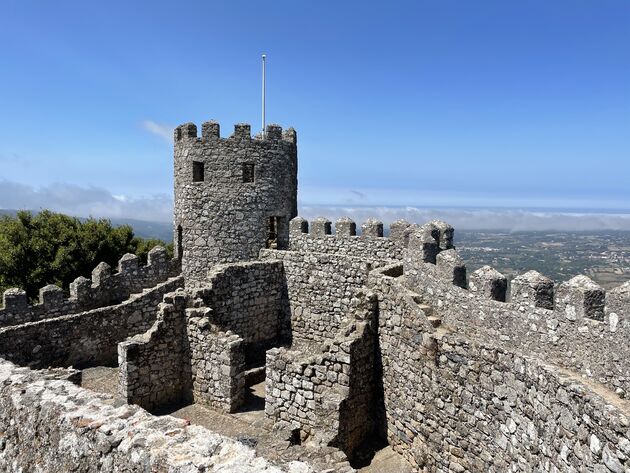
[(462, 218)]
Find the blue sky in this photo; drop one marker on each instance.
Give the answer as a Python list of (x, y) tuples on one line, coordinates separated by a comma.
[(423, 104)]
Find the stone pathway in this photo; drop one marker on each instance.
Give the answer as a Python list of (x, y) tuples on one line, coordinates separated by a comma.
[(250, 427), (387, 460), (101, 379)]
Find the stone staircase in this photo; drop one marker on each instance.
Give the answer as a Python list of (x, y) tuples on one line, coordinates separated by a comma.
[(435, 320)]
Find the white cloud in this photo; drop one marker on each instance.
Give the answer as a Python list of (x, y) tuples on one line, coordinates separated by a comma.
[(479, 219), (85, 201), (159, 129)]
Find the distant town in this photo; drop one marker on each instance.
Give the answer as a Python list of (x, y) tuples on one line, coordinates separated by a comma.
[(603, 256)]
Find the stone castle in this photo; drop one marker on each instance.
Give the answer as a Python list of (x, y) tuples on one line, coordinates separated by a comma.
[(355, 342)]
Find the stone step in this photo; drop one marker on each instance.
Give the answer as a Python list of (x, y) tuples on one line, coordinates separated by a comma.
[(435, 321), (254, 375)]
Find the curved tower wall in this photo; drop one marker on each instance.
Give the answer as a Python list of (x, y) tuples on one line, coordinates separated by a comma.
[(233, 196)]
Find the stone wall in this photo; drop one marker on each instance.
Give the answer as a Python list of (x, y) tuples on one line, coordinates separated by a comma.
[(222, 214), (327, 391), (103, 289), (206, 342), (183, 357), (319, 291), (216, 363), (454, 404), (481, 408), (151, 364), (405, 338), (67, 428), (86, 338), (246, 298), (564, 336)]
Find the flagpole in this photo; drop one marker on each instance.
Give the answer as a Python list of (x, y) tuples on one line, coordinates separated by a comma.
[(264, 57)]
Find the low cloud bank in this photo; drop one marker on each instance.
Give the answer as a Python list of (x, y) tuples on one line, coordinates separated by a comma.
[(480, 219), (84, 201)]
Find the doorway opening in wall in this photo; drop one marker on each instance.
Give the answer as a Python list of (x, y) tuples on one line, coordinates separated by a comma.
[(254, 397), (254, 373), (273, 226)]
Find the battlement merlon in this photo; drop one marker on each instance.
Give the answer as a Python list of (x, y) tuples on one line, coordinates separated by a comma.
[(211, 132)]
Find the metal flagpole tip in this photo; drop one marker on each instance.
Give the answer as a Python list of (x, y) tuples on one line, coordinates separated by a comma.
[(264, 56)]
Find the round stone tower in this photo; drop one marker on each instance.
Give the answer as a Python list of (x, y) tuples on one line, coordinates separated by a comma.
[(233, 196)]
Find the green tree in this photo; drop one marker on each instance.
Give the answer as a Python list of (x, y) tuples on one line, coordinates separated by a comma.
[(52, 248)]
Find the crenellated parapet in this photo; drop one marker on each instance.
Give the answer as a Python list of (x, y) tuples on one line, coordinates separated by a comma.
[(322, 227), (321, 236), (575, 324), (211, 132), (102, 289), (577, 298)]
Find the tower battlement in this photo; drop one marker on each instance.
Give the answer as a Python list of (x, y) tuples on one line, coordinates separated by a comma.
[(211, 131), (233, 196)]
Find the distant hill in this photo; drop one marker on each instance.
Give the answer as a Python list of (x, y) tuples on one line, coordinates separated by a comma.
[(160, 230)]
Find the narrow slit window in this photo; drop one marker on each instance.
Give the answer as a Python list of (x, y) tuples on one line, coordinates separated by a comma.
[(180, 248), (197, 171), (248, 172)]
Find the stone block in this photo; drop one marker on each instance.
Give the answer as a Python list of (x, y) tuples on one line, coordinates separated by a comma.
[(399, 231), (273, 132), (210, 130), (618, 304), (446, 232), (128, 263), (290, 135), (534, 289), (320, 227), (242, 131), (157, 256), (422, 248), (451, 267), (101, 273), (345, 227), (489, 283), (372, 228), (15, 299), (80, 289), (51, 296), (298, 226), (185, 131), (581, 297)]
